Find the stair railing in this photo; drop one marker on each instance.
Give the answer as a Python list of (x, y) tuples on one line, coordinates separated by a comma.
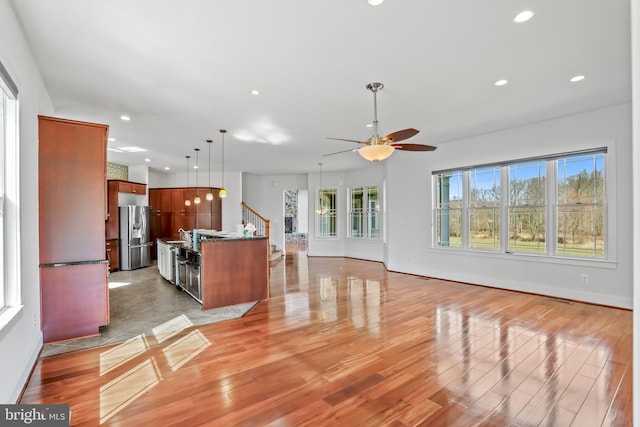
[(251, 216)]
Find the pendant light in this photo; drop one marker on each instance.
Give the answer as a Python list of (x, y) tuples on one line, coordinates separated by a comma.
[(209, 195), (187, 202), (320, 210), (196, 200), (223, 191)]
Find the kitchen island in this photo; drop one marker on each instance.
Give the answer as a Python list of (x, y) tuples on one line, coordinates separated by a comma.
[(224, 271)]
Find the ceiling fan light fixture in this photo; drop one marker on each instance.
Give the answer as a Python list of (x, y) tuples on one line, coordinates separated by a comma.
[(375, 153)]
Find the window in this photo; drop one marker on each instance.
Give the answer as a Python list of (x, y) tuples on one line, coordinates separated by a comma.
[(527, 207), (9, 184), (326, 213), (449, 209), (364, 212), (484, 208), (553, 206), (580, 209)]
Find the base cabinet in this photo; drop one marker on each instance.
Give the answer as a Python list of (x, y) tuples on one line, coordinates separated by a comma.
[(113, 254), (75, 301)]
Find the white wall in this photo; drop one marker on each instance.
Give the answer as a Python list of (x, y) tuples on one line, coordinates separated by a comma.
[(21, 339), (635, 43), (231, 206), (410, 206), (365, 248), (265, 195), (303, 208)]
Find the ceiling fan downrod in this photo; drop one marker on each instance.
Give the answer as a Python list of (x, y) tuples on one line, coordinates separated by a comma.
[(375, 87)]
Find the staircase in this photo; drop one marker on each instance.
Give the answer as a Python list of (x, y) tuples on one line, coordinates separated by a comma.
[(262, 229)]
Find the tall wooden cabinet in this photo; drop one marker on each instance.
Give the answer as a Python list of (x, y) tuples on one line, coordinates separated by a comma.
[(72, 205), (169, 213)]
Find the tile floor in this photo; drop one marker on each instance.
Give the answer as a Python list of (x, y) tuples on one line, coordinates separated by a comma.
[(142, 302)]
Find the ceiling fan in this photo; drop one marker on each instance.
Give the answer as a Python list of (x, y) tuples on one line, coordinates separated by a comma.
[(379, 148)]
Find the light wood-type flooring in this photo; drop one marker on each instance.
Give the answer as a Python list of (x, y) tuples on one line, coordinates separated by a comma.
[(344, 342)]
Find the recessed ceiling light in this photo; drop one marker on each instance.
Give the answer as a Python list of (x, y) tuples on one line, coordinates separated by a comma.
[(523, 16), (255, 92), (132, 149), (125, 118), (576, 78), (111, 139), (195, 167), (167, 168), (147, 160), (369, 125), (501, 82), (375, 2)]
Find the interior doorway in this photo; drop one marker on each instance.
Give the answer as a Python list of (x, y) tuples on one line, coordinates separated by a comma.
[(296, 221)]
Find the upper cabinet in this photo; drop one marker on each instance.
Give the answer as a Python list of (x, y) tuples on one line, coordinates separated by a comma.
[(115, 187), (130, 187)]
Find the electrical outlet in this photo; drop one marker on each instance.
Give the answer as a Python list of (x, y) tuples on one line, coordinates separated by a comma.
[(584, 278)]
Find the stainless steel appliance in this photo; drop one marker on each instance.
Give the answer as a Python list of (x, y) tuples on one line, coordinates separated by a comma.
[(188, 272), (166, 260), (135, 244)]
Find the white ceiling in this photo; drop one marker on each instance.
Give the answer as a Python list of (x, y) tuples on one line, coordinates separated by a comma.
[(184, 69)]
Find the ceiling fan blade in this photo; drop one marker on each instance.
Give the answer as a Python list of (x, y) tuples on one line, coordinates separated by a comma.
[(413, 147), (348, 140), (400, 135), (340, 152)]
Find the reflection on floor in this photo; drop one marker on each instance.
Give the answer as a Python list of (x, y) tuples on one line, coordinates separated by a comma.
[(295, 248), (142, 302)]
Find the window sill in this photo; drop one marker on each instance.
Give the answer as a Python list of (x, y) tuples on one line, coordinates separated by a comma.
[(595, 263), (365, 239), (8, 315)]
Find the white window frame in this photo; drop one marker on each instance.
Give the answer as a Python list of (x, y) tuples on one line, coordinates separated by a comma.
[(365, 214), (550, 207), (326, 215), (10, 299)]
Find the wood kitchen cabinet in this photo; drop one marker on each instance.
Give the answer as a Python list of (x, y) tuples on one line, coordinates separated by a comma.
[(74, 294), (169, 213), (131, 187), (114, 187), (113, 254), (112, 228)]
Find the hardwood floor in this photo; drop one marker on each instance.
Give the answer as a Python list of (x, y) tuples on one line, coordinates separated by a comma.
[(344, 342)]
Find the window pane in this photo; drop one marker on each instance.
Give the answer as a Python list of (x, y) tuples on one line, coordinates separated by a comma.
[(327, 213), (373, 212), (484, 208), (581, 206), (527, 207), (357, 219), (449, 209)]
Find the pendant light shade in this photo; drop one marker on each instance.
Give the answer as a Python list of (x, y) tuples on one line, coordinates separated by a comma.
[(187, 202), (196, 200), (209, 195), (223, 191)]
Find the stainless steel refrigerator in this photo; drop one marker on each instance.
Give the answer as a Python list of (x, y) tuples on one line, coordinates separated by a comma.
[(135, 237)]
